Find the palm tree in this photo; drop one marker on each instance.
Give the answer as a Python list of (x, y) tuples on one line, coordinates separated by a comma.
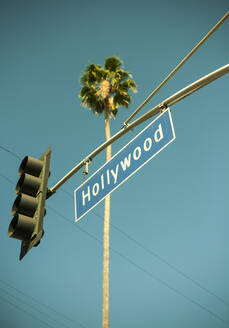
[(104, 89)]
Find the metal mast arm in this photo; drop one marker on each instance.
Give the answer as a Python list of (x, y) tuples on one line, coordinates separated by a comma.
[(155, 110)]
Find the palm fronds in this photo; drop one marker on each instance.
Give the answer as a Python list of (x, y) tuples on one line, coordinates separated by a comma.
[(93, 74), (106, 88), (112, 64)]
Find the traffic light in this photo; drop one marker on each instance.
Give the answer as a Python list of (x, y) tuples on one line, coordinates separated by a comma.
[(29, 207)]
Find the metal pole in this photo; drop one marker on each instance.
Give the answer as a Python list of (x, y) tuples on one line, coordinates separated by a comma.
[(155, 110)]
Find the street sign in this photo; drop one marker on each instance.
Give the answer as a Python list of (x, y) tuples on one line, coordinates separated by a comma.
[(141, 149)]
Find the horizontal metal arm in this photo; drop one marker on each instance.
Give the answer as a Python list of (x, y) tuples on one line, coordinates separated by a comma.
[(154, 111)]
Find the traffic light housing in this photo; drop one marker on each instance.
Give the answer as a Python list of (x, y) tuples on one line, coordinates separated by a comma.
[(29, 207)]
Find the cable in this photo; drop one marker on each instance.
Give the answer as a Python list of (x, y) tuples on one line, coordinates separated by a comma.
[(7, 179), (161, 259), (143, 247), (35, 300), (26, 312), (67, 193), (10, 152), (178, 67), (38, 302), (33, 307), (171, 288), (143, 270), (159, 280), (32, 298)]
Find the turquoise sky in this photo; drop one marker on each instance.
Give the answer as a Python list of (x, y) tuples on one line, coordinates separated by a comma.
[(169, 234)]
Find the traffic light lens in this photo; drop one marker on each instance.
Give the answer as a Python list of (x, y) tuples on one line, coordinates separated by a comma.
[(28, 184), (25, 205), (21, 227), (31, 166)]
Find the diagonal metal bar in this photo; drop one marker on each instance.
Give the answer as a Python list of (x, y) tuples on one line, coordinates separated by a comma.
[(177, 67)]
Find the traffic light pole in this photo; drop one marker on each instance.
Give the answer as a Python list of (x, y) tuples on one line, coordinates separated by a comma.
[(152, 112)]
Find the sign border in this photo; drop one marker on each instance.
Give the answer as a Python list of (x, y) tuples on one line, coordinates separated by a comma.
[(174, 137)]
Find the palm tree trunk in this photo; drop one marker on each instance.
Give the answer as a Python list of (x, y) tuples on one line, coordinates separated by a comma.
[(105, 306)]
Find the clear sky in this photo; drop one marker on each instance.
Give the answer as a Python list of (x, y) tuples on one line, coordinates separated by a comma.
[(169, 235)]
